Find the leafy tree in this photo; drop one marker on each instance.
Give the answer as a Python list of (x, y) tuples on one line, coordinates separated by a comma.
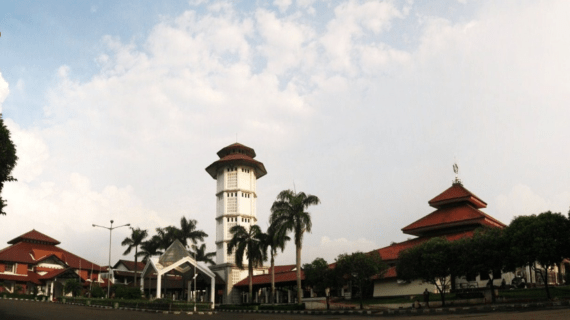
[(164, 237), (432, 261), (275, 240), (8, 160), (97, 292), (320, 277), (289, 213), (187, 231), (538, 241), (72, 286), (201, 254), (248, 243), (149, 248), (358, 268), (484, 253), (136, 239)]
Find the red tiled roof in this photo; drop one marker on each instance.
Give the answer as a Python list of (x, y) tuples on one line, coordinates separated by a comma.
[(265, 279), (29, 277), (130, 265), (281, 269), (451, 216), (248, 151), (391, 252), (52, 274), (237, 159), (34, 236), (456, 193), (31, 253)]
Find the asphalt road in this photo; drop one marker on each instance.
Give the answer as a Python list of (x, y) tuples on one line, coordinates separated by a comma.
[(27, 310)]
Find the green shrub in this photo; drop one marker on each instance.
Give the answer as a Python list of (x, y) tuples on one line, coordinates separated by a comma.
[(97, 292)]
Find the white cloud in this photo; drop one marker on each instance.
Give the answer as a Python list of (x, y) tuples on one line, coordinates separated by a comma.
[(282, 4), (522, 201), (31, 150), (66, 211), (352, 20), (287, 43), (4, 91)]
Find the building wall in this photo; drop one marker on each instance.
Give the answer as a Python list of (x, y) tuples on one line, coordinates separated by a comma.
[(390, 287)]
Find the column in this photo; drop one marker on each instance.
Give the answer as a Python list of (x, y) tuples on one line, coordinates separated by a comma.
[(51, 292), (212, 292), (158, 284)]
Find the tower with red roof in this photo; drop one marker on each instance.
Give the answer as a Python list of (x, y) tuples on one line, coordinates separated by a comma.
[(236, 174)]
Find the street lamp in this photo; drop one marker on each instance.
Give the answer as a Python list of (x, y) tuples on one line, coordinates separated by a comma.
[(110, 235)]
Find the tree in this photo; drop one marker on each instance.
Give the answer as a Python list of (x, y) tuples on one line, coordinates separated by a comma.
[(484, 253), (358, 268), (432, 261), (275, 240), (288, 213), (149, 249), (320, 277), (538, 241), (136, 239), (72, 286), (248, 243), (187, 231), (201, 254), (8, 160), (164, 237)]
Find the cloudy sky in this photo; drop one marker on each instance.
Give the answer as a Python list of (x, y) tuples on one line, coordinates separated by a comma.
[(117, 107)]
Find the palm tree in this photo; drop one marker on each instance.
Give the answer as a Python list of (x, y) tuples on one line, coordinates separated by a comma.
[(136, 239), (275, 239), (201, 255), (188, 231), (164, 237), (288, 213), (149, 248), (249, 243)]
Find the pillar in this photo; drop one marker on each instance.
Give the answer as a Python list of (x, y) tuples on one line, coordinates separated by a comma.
[(212, 292), (158, 284), (51, 292)]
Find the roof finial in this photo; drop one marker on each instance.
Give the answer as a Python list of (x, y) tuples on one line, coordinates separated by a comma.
[(456, 170)]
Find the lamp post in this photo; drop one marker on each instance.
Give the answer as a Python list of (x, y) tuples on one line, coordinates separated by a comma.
[(110, 235)]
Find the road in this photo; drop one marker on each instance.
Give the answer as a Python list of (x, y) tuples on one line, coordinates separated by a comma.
[(25, 310)]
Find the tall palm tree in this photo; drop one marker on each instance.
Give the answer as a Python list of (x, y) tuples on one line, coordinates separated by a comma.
[(249, 243), (149, 248), (201, 255), (188, 231), (136, 239), (164, 237), (288, 213), (275, 239)]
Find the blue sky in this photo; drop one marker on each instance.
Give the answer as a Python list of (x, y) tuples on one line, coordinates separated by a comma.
[(118, 106)]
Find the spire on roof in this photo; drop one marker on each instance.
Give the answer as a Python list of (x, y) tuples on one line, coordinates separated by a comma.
[(456, 170)]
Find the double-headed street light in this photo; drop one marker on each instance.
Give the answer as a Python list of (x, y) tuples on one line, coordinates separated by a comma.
[(110, 235)]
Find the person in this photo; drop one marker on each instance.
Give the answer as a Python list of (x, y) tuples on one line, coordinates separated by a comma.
[(426, 297)]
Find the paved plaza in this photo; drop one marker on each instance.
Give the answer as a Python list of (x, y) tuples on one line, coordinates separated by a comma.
[(27, 310)]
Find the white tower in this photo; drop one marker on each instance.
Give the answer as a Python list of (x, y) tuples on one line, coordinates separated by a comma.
[(236, 173)]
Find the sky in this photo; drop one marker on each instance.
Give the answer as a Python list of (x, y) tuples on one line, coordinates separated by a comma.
[(117, 108)]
